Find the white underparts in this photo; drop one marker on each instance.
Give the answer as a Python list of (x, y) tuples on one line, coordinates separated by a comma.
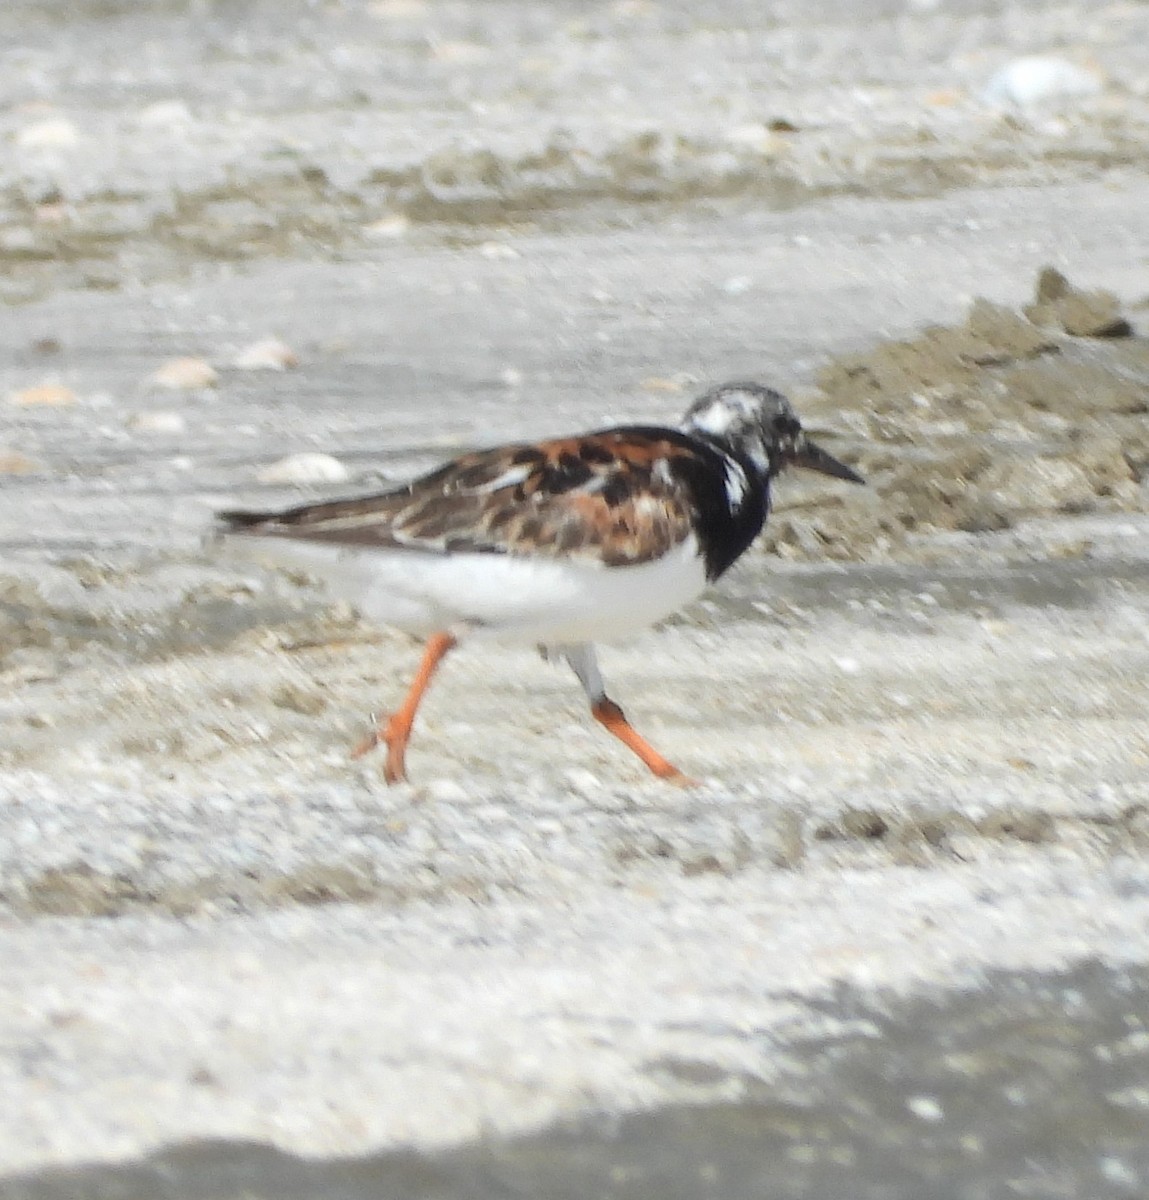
[(520, 599)]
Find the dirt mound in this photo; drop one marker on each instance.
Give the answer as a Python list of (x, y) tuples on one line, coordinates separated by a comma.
[(976, 426)]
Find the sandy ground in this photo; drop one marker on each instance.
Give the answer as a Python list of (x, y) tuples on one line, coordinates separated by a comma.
[(918, 712)]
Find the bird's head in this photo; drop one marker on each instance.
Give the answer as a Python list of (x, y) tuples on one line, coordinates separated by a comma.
[(759, 424)]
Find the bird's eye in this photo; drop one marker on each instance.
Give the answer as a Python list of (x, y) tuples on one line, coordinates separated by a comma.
[(786, 428)]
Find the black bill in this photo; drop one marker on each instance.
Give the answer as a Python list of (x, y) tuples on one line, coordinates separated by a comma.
[(811, 456)]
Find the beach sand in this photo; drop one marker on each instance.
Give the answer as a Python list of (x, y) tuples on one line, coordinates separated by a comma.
[(918, 711)]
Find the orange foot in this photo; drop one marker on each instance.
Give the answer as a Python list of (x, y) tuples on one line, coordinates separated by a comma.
[(611, 718), (394, 735), (396, 731)]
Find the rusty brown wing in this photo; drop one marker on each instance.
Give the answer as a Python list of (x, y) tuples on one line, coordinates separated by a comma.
[(617, 498)]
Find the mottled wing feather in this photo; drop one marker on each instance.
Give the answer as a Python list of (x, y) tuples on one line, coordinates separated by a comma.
[(616, 498)]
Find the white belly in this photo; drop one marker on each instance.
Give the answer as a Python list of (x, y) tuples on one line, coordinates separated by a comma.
[(513, 599)]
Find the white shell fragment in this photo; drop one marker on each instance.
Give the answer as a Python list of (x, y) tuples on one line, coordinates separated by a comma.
[(55, 132), (304, 468), (12, 462), (158, 422), (497, 250), (1041, 79), (164, 114), (186, 374), (43, 395), (395, 226), (268, 354)]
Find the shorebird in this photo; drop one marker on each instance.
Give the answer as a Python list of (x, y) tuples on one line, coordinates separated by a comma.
[(559, 543)]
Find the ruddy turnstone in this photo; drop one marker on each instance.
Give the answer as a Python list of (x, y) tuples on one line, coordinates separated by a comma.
[(558, 543)]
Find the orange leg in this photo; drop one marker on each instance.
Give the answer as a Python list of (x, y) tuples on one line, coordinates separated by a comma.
[(396, 730), (611, 718)]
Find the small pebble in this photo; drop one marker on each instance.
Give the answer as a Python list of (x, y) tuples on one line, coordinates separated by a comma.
[(1041, 79), (307, 467), (158, 422), (1118, 1172), (164, 114), (925, 1108), (583, 782), (19, 241), (55, 133), (1130, 1097), (446, 791), (52, 214), (306, 700), (388, 228), (186, 374), (944, 98), (661, 383), (492, 814), (755, 136), (44, 395), (397, 10), (268, 354), (497, 250), (12, 462), (459, 52)]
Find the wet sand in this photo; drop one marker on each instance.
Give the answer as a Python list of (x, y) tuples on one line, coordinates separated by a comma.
[(918, 712), (1025, 1086)]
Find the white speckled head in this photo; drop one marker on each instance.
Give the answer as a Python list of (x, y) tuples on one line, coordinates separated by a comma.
[(759, 424), (747, 418)]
